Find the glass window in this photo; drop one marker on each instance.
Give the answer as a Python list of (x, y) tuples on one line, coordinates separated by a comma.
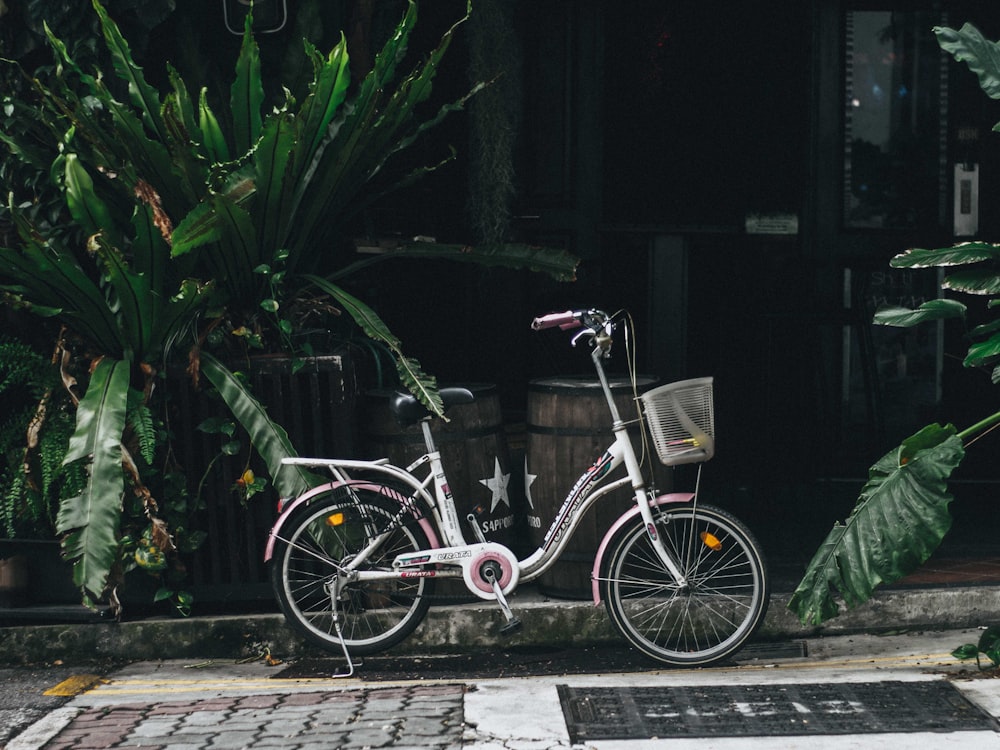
[(895, 125)]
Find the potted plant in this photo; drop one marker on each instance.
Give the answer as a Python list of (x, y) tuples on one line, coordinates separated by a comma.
[(189, 223), (902, 514)]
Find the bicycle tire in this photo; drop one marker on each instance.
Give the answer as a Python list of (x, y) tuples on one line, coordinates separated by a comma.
[(710, 619), (328, 532)]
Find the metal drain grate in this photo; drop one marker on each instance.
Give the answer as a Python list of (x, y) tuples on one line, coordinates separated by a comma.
[(768, 710)]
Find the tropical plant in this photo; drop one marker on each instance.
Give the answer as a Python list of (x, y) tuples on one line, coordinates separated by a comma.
[(188, 221), (988, 645), (902, 513), (35, 427)]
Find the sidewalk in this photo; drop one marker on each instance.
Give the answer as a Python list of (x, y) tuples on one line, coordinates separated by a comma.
[(901, 691)]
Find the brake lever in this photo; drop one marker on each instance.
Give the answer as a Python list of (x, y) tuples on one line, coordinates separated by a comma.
[(580, 335)]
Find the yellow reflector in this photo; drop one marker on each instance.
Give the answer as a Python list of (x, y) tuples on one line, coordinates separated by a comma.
[(335, 519), (711, 541)]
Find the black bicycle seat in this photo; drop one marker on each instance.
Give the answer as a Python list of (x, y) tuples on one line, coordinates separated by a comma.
[(408, 410)]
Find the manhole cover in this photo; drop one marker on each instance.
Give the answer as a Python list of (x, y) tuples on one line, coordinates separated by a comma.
[(768, 710)]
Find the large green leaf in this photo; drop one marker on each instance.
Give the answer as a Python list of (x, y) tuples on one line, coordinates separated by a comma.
[(961, 254), (131, 297), (144, 97), (983, 352), (247, 93), (419, 383), (899, 520), (974, 281), (85, 206), (239, 251), (90, 520), (214, 140), (904, 317), (327, 92), (268, 438), (201, 226), (50, 278), (274, 193), (378, 117), (982, 56)]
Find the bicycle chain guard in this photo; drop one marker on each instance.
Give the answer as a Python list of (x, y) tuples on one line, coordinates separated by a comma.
[(503, 564)]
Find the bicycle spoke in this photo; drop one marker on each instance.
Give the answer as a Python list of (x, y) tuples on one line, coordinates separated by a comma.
[(718, 609), (360, 531)]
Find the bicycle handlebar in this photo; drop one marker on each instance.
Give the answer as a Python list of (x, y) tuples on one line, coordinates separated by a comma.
[(593, 319), (565, 321)]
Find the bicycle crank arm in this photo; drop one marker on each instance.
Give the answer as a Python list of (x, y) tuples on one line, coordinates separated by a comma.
[(474, 560)]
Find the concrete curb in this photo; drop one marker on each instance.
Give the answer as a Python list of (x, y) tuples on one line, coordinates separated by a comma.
[(467, 627)]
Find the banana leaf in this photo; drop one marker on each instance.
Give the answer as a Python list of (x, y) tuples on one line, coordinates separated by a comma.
[(419, 383), (982, 56), (269, 439), (90, 521), (899, 520)]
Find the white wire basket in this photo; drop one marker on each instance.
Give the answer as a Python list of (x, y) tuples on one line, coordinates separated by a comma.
[(681, 419)]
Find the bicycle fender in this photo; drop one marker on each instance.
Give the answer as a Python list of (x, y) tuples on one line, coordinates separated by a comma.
[(595, 574), (306, 497)]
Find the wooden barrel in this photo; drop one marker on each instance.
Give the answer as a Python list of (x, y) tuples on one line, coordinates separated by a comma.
[(569, 427), (474, 450)]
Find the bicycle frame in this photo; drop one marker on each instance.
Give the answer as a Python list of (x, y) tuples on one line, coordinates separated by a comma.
[(450, 547)]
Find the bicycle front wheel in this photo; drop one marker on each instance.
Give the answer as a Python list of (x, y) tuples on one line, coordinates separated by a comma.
[(708, 619), (315, 548)]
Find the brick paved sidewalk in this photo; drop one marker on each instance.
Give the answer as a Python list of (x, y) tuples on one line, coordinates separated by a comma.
[(411, 716)]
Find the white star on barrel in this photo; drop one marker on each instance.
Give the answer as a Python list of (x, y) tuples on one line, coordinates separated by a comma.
[(529, 479), (498, 486)]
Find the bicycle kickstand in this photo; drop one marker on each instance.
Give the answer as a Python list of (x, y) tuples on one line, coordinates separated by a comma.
[(335, 614), (491, 573)]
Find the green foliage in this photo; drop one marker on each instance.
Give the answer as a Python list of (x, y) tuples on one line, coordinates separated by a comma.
[(189, 209), (269, 439), (988, 646), (29, 480), (899, 520), (902, 513)]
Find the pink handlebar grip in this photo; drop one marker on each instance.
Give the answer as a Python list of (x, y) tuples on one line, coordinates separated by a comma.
[(565, 320)]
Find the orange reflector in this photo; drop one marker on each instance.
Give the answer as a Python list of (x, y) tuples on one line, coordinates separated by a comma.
[(711, 541), (335, 519)]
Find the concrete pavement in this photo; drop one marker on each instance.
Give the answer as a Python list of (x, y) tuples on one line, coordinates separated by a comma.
[(182, 705), (185, 688)]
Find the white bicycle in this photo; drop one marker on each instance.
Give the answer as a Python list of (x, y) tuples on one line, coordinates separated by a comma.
[(354, 561)]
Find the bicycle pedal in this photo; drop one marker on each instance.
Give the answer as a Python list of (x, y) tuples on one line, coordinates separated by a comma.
[(513, 625)]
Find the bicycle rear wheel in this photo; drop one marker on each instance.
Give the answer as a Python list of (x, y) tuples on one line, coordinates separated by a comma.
[(709, 619), (320, 539)]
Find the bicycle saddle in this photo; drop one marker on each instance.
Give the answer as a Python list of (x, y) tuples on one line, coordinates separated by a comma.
[(407, 410)]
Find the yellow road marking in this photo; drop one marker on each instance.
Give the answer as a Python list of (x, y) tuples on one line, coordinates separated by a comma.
[(75, 685), (139, 685)]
